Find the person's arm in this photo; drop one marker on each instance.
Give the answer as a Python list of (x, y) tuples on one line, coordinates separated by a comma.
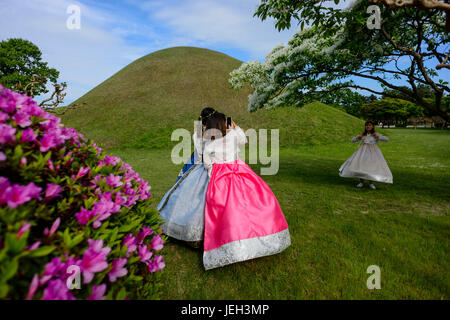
[(357, 138), (380, 137), (238, 133)]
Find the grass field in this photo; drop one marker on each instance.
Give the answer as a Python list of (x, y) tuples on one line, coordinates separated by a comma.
[(337, 230)]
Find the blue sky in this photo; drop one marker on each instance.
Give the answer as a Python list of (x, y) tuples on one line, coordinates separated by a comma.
[(115, 33)]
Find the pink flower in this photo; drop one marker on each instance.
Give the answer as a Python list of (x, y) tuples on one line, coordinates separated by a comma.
[(144, 253), (157, 264), (16, 195), (3, 117), (142, 234), (23, 161), (117, 269), (4, 185), (83, 216), (114, 181), (52, 191), (94, 259), (24, 228), (28, 135), (130, 242), (53, 229), (82, 172), (47, 141), (157, 243), (34, 246), (22, 119), (34, 285), (98, 292), (102, 210), (119, 201), (7, 134), (2, 156), (50, 164), (57, 290), (54, 269), (33, 190), (7, 104), (108, 161)]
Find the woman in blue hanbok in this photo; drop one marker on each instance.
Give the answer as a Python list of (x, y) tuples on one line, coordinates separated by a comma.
[(183, 206)]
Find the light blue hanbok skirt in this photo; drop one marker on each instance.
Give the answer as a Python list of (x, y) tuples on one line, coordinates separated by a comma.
[(183, 206)]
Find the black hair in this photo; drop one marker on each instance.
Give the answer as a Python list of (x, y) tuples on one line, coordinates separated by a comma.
[(206, 114), (373, 127), (217, 121)]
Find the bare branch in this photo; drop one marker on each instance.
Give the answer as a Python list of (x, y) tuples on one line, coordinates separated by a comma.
[(444, 63), (421, 4)]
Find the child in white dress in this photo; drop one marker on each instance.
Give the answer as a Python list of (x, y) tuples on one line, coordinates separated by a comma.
[(367, 163)]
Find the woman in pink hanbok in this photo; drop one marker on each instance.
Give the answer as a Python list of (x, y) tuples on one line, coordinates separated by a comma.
[(243, 219)]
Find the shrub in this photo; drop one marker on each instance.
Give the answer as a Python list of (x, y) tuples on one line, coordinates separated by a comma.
[(69, 211)]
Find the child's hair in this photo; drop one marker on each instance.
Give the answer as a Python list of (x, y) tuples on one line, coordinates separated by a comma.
[(205, 114), (373, 127), (216, 121)]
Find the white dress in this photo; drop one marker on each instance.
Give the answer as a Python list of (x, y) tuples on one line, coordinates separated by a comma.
[(367, 162), (225, 149)]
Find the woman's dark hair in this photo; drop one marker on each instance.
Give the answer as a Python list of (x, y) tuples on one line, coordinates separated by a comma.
[(216, 121), (373, 127), (205, 114)]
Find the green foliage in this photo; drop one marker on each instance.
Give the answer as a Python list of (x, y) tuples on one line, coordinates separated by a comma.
[(20, 60), (391, 111), (348, 101), (305, 12)]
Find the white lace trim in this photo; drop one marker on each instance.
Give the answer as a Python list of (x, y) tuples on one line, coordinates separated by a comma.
[(246, 249)]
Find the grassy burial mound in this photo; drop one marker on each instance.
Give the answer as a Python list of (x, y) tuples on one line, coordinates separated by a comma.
[(140, 105)]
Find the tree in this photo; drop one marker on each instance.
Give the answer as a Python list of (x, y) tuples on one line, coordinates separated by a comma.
[(21, 64), (322, 12), (334, 54), (391, 111), (348, 101)]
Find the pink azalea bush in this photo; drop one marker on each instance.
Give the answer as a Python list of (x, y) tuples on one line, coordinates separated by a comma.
[(69, 211)]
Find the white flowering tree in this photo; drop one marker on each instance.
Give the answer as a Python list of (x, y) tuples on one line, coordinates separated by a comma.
[(327, 59)]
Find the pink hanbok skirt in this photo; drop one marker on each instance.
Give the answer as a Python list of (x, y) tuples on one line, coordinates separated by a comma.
[(243, 219)]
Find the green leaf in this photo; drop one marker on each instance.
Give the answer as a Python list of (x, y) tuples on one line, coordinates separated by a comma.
[(14, 244), (3, 253), (123, 251), (135, 278), (76, 240), (66, 238), (10, 271), (4, 288), (18, 152), (42, 251), (122, 294)]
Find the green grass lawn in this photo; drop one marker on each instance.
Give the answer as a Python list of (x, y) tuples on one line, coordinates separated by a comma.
[(337, 230)]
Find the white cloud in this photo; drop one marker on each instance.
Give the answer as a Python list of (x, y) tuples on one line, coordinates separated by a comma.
[(213, 22), (110, 39), (85, 57)]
